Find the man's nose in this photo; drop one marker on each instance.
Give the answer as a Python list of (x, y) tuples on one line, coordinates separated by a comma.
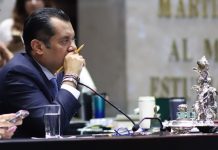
[(72, 47)]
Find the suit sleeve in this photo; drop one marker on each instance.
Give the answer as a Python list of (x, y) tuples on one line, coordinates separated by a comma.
[(29, 93)]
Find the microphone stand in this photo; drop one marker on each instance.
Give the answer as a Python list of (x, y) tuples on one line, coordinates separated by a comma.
[(135, 126), (154, 118)]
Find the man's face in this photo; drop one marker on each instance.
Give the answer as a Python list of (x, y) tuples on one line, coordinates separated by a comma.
[(60, 42)]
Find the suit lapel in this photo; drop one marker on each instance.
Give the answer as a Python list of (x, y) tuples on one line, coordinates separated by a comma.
[(44, 84)]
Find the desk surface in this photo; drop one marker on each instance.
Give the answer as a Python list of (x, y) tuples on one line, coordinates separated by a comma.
[(154, 142)]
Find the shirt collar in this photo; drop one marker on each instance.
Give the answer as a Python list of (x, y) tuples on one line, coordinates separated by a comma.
[(47, 73)]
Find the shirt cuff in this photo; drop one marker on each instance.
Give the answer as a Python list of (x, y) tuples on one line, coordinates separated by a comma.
[(71, 89)]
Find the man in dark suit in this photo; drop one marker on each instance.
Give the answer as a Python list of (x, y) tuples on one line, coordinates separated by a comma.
[(26, 80)]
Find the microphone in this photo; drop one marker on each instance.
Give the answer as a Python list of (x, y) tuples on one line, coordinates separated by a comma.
[(135, 126)]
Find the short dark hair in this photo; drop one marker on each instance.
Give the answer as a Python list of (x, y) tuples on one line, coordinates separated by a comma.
[(38, 26)]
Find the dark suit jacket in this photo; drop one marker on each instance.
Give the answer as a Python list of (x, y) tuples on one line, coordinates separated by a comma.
[(23, 85)]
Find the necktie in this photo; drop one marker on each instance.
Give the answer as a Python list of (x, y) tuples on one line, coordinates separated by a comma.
[(54, 86)]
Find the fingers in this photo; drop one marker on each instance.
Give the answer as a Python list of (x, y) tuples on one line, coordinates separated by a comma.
[(5, 117), (2, 133), (5, 123), (73, 63), (11, 129), (81, 59), (7, 128), (18, 122), (7, 133), (76, 58)]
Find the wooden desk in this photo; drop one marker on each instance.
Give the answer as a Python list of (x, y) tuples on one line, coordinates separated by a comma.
[(154, 142)]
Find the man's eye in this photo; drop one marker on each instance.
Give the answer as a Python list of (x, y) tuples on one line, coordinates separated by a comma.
[(74, 40), (64, 41)]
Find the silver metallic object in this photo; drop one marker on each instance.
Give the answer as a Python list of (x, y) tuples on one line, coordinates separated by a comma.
[(204, 109), (182, 108), (205, 106), (183, 124)]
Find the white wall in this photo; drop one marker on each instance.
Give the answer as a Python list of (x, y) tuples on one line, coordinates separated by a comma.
[(125, 54), (102, 29), (153, 43)]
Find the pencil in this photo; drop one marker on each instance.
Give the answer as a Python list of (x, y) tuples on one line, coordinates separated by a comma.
[(77, 51)]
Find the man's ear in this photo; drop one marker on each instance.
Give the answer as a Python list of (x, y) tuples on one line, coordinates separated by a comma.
[(37, 46)]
